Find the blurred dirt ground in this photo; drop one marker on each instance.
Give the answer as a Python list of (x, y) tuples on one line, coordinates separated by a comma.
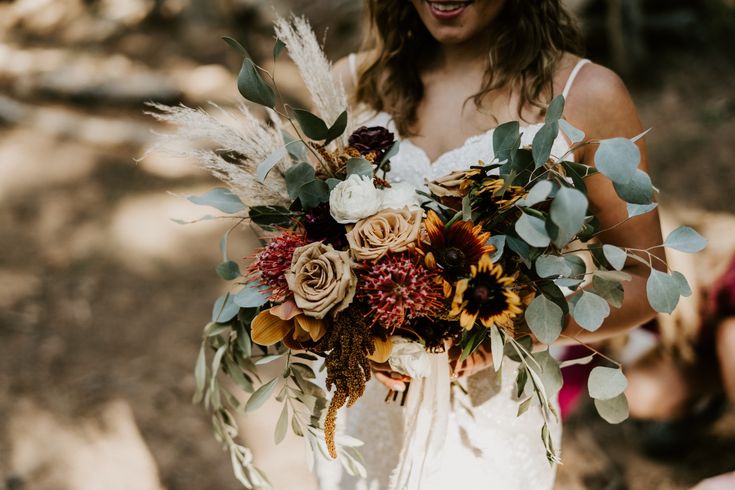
[(102, 297)]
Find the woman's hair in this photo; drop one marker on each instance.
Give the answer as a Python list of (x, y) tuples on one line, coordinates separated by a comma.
[(529, 38)]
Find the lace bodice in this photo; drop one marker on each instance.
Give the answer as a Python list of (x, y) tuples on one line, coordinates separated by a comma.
[(412, 165)]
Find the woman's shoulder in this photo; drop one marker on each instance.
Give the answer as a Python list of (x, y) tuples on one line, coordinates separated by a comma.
[(598, 98)]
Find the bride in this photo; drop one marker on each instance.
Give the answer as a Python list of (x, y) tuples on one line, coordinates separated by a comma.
[(441, 74)]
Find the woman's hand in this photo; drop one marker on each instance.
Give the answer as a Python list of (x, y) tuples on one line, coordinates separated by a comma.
[(476, 362), (392, 380)]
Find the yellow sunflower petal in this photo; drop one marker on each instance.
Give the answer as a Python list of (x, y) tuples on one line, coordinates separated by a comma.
[(485, 264), (459, 288), (433, 225), (467, 319), (267, 329), (383, 348), (430, 261)]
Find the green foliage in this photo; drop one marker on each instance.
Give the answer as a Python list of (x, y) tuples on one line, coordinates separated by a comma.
[(568, 210), (574, 134), (297, 176), (614, 410), (606, 383), (252, 86), (532, 230), (224, 309), (359, 166), (638, 190), (684, 239), (252, 295), (590, 310), (615, 256), (264, 167), (228, 270), (618, 159), (544, 319), (313, 193), (543, 142), (271, 216), (506, 139), (220, 198), (663, 291)]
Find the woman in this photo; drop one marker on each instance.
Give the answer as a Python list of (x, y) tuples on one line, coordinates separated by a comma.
[(442, 74)]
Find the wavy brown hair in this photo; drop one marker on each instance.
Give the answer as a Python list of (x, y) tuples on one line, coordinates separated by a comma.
[(529, 39)]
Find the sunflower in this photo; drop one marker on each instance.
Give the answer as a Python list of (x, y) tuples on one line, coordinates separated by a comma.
[(486, 296), (454, 248), (504, 196)]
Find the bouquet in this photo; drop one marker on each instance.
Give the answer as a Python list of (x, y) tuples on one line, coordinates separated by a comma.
[(354, 268)]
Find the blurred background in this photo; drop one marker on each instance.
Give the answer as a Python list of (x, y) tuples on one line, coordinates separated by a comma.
[(102, 296)]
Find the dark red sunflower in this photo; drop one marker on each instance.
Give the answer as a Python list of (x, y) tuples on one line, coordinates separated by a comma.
[(454, 248)]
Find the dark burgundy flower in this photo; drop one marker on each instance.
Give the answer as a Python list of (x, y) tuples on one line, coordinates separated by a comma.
[(375, 139), (320, 226)]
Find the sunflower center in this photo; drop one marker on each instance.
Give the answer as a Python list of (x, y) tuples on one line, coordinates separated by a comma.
[(488, 297), (454, 257), (482, 293)]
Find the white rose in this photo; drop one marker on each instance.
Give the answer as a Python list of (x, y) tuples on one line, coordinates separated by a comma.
[(401, 195), (409, 358), (354, 199)]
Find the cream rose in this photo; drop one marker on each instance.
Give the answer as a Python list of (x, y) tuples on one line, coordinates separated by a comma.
[(409, 358), (354, 199), (388, 231), (321, 279), (401, 195)]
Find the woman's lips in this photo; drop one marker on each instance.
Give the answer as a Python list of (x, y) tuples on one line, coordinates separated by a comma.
[(445, 10)]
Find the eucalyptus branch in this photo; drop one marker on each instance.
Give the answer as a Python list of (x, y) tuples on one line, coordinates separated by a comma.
[(592, 349)]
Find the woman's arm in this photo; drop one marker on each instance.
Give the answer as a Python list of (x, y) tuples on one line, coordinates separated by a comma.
[(600, 105)]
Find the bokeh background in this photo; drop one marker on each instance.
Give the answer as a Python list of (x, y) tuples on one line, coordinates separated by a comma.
[(102, 296)]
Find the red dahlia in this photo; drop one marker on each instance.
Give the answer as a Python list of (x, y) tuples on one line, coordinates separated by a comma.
[(272, 262), (400, 288)]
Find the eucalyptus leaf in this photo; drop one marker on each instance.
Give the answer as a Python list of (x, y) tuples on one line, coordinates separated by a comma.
[(543, 142), (568, 211), (359, 166), (613, 275), (264, 167), (228, 270), (524, 406), (498, 241), (615, 256), (224, 309), (312, 125), (261, 395), (618, 159), (555, 109), (496, 347), (393, 151), (639, 209), (614, 410), (278, 48), (685, 239), (270, 216), (297, 176), (639, 190), (684, 288), (252, 86), (251, 296), (466, 208), (538, 193), (544, 318), (590, 311), (532, 230), (332, 183), (605, 383), (574, 134), (220, 198), (281, 425), (576, 264), (663, 291), (552, 266), (336, 129), (520, 248), (506, 138), (236, 46), (295, 147), (611, 291), (206, 217), (550, 373), (313, 193)]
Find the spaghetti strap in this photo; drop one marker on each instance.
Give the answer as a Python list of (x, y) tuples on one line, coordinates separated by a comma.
[(352, 60), (573, 75)]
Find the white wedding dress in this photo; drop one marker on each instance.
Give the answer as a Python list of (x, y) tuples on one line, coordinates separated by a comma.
[(487, 445)]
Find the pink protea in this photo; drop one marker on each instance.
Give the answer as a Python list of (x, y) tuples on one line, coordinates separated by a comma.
[(399, 288), (274, 260)]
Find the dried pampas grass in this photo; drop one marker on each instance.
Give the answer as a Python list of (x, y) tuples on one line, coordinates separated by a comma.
[(326, 90), (237, 144)]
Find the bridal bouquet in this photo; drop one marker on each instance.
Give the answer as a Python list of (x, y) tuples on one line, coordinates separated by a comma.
[(354, 268)]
